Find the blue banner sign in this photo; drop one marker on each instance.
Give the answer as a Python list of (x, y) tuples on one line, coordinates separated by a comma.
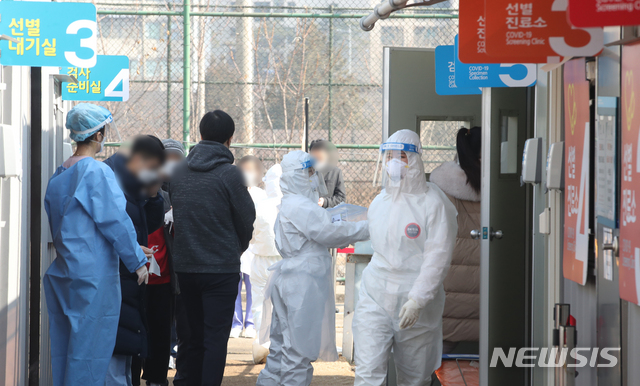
[(494, 75), (108, 80), (48, 34), (446, 82)]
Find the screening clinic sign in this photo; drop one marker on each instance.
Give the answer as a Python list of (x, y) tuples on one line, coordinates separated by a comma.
[(540, 29), (600, 13), (472, 37), (629, 266), (48, 34), (108, 80), (576, 207)]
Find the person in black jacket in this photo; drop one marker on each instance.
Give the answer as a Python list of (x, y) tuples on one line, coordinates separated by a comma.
[(138, 175), (213, 220), (326, 158)]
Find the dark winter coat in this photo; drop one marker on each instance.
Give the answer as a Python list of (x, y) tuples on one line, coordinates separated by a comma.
[(147, 215), (213, 212)]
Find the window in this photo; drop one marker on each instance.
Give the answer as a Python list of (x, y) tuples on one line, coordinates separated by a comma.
[(438, 138)]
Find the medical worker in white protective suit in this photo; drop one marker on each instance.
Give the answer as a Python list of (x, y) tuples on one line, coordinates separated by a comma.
[(413, 230), (300, 287), (263, 247)]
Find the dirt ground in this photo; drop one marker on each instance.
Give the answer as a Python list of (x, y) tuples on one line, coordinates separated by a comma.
[(241, 371)]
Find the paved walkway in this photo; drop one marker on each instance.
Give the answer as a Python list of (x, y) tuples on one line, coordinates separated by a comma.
[(240, 370)]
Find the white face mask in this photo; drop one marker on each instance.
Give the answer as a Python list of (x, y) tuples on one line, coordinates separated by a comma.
[(169, 167), (104, 139), (396, 169), (323, 167), (250, 178), (148, 177)]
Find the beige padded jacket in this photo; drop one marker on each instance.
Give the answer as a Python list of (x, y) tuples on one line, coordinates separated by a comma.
[(461, 318)]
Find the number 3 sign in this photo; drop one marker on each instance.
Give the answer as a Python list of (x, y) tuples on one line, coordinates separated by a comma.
[(536, 28), (48, 34), (108, 80)]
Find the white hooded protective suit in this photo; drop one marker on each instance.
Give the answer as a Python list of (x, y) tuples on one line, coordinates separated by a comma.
[(300, 288), (413, 231), (263, 243)]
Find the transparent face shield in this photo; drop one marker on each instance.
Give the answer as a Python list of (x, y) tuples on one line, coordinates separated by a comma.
[(393, 164)]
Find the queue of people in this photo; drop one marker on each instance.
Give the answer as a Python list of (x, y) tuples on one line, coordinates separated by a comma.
[(153, 239)]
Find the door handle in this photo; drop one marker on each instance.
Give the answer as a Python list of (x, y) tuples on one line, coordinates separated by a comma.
[(495, 234), (475, 234), (614, 246)]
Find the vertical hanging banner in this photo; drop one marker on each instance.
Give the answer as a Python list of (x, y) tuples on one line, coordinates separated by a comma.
[(446, 74), (48, 34), (576, 191), (107, 81), (602, 13), (518, 30), (629, 268), (472, 38)]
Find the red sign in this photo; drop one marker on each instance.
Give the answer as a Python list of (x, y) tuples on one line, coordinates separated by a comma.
[(629, 267), (576, 190), (539, 29), (601, 13), (472, 37)]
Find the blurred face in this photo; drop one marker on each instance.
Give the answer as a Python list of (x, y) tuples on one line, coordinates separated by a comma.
[(145, 168), (172, 160), (249, 167), (252, 173), (319, 155)]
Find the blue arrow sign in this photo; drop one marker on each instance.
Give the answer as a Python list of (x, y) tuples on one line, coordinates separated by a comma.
[(48, 34), (494, 75), (446, 82), (107, 81)]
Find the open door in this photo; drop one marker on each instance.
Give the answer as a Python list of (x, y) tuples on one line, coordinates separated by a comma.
[(505, 234)]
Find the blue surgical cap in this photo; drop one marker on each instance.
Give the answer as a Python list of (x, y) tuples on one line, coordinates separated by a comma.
[(85, 119)]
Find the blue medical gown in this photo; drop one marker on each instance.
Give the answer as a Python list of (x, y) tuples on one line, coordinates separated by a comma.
[(91, 232)]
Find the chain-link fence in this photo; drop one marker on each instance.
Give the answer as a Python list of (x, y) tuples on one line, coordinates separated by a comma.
[(258, 60)]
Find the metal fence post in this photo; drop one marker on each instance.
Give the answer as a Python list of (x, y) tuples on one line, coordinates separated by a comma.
[(169, 74), (330, 107), (186, 75)]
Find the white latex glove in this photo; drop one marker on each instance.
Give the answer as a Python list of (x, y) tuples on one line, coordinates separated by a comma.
[(143, 275), (321, 201), (147, 252), (409, 314)]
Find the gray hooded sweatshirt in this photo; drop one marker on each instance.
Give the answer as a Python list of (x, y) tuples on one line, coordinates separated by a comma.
[(213, 212)]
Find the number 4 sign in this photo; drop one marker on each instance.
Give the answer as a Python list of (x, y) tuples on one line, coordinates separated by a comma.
[(107, 81), (537, 28)]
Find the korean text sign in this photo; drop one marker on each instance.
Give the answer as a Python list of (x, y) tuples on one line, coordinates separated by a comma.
[(600, 13), (629, 268), (539, 29), (48, 34), (445, 74), (577, 166), (108, 80), (472, 39), (493, 75)]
